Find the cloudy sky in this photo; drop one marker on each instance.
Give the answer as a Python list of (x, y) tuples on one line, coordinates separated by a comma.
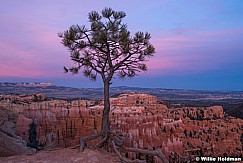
[(199, 43)]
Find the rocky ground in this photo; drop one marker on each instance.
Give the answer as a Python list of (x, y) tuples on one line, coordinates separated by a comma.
[(63, 156)]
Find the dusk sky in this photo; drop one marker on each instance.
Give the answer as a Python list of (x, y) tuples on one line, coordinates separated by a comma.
[(198, 43)]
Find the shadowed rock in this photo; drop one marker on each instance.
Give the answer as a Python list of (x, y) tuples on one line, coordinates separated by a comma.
[(10, 143)]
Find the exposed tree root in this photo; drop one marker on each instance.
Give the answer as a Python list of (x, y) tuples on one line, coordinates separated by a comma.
[(74, 147), (157, 153), (102, 142), (124, 158), (116, 141), (90, 137)]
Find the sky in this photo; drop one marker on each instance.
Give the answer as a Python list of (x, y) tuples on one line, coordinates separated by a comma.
[(198, 43)]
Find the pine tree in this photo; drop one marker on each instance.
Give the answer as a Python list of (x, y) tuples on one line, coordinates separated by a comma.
[(107, 48)]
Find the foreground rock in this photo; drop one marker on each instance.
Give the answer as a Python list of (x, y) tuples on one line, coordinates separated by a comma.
[(10, 143), (64, 156)]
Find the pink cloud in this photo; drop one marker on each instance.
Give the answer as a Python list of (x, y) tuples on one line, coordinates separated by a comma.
[(17, 71), (30, 46), (194, 52), (33, 46), (229, 33), (173, 43), (30, 60), (16, 61)]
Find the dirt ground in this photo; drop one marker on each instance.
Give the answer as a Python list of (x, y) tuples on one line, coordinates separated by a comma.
[(64, 156)]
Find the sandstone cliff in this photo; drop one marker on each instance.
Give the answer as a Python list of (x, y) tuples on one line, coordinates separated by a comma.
[(181, 133), (10, 143)]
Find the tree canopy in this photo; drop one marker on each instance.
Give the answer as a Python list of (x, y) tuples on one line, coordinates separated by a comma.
[(107, 47)]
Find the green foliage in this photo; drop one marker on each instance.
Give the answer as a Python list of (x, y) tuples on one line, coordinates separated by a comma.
[(106, 47)]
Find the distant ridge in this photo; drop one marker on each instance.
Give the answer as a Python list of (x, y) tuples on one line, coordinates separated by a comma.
[(28, 84), (232, 101), (52, 90)]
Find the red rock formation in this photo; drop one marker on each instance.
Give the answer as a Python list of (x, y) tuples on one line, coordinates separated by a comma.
[(133, 99), (22, 126), (10, 143), (180, 133)]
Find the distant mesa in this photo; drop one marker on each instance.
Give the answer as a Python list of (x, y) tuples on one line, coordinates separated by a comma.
[(25, 84), (230, 100)]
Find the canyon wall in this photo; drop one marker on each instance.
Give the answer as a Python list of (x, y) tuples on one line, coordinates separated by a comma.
[(179, 132), (10, 143)]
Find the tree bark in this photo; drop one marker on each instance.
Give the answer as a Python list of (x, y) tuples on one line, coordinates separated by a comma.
[(106, 111)]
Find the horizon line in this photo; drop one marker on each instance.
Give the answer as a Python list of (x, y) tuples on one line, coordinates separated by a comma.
[(163, 88)]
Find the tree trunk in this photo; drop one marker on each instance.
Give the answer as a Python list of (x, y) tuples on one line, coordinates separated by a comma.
[(106, 111)]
